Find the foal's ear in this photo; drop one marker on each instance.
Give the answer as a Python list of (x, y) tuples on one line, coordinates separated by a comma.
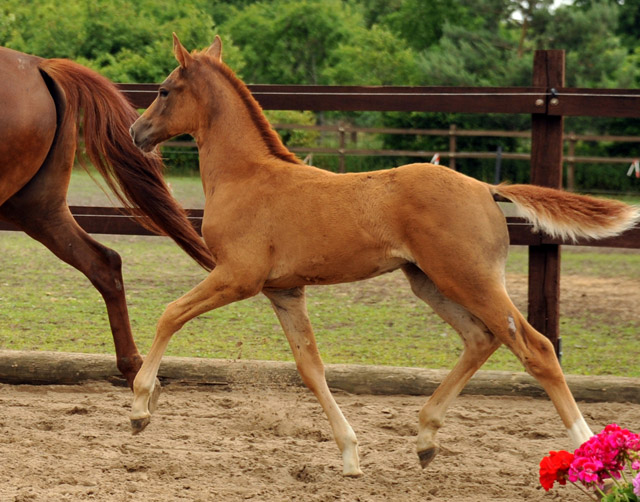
[(215, 49), (181, 54)]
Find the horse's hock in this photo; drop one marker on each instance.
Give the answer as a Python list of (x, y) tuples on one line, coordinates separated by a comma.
[(30, 367)]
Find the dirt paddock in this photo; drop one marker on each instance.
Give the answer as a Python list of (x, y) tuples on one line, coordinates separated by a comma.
[(272, 443)]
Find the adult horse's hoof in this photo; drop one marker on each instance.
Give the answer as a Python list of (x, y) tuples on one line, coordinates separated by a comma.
[(426, 456), (139, 424)]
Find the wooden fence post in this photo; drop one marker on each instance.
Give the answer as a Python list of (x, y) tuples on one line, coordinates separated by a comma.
[(571, 167), (546, 170), (452, 146), (341, 146)]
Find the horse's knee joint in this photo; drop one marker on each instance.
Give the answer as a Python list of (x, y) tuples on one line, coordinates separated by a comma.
[(169, 317), (541, 369), (113, 258)]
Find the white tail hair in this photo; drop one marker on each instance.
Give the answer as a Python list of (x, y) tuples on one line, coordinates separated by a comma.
[(567, 215)]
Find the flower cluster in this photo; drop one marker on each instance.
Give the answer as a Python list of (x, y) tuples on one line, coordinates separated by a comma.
[(598, 465)]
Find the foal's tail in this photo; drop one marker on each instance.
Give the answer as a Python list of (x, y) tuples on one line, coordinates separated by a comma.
[(567, 215), (136, 179)]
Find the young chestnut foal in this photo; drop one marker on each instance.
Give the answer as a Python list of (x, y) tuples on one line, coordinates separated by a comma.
[(275, 225)]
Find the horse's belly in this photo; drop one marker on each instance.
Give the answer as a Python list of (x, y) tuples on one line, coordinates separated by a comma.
[(320, 271)]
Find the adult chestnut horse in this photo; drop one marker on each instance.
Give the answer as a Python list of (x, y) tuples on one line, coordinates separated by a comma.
[(275, 225), (45, 102)]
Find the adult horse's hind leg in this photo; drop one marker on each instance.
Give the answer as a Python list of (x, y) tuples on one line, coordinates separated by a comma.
[(40, 209), (290, 307), (479, 344), (59, 232)]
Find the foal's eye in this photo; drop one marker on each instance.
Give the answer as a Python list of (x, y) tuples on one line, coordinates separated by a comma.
[(163, 93)]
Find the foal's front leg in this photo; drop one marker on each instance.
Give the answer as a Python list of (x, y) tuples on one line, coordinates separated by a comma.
[(290, 307), (219, 288)]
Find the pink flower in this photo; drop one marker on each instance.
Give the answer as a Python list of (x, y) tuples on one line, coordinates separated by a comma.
[(586, 469), (604, 455), (636, 485)]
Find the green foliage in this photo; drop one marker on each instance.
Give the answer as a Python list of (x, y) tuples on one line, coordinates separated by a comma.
[(595, 57), (372, 56), (362, 42), (421, 23), (297, 137), (125, 41), (290, 43), (465, 58)]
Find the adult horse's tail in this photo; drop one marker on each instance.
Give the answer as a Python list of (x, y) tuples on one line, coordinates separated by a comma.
[(568, 215), (104, 115)]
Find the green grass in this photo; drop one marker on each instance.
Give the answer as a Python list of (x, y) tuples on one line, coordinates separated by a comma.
[(83, 190), (47, 305), (53, 307)]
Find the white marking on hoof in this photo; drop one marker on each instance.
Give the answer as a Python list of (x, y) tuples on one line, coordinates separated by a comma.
[(351, 462), (579, 432)]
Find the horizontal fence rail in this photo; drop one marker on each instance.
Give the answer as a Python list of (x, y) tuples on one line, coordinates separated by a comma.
[(529, 100), (114, 220)]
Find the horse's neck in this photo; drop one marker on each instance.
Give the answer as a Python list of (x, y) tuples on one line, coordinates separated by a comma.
[(231, 151), (233, 144), (227, 154)]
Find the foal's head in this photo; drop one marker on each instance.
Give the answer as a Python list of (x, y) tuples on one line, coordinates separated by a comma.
[(177, 107)]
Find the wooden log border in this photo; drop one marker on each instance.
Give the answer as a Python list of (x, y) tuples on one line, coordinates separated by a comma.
[(33, 367)]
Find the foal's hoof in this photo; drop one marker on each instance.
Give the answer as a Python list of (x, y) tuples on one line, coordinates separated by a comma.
[(352, 472), (426, 456), (139, 424)]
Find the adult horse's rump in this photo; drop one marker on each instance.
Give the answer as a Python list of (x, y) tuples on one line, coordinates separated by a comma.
[(45, 102)]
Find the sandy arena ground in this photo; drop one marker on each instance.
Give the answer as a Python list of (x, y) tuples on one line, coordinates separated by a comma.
[(272, 443)]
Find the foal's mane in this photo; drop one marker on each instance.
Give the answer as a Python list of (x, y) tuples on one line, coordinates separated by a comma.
[(270, 137)]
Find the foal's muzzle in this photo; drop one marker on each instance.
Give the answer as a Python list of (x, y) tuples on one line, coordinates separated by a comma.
[(139, 134)]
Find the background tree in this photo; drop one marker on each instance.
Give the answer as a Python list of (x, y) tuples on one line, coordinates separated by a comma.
[(289, 41), (366, 42), (373, 56)]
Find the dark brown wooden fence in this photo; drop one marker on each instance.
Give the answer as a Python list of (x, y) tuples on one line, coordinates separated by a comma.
[(547, 101)]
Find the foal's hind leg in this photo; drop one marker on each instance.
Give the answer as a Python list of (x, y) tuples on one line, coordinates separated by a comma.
[(479, 344), (290, 307), (481, 291)]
